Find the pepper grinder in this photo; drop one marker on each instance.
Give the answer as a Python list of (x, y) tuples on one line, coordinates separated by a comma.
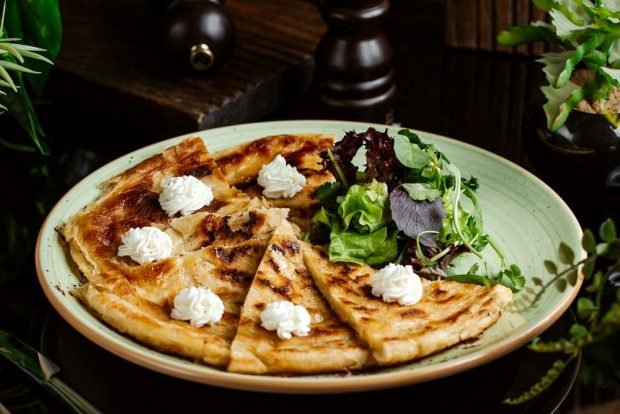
[(354, 77), (198, 35)]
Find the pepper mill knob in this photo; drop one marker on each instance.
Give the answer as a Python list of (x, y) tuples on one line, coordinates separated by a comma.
[(198, 34), (354, 77)]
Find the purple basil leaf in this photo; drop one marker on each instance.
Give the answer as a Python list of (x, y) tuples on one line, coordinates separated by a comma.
[(343, 152), (413, 217)]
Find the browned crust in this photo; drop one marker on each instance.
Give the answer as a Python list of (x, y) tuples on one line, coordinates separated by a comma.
[(330, 345), (138, 302), (449, 312), (240, 166)]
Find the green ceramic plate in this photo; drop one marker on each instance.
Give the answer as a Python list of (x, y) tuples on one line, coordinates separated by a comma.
[(525, 217)]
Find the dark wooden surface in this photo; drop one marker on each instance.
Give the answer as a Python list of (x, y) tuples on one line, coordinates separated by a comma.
[(475, 24), (112, 58)]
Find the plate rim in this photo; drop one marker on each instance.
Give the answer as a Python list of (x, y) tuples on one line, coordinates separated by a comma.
[(151, 359)]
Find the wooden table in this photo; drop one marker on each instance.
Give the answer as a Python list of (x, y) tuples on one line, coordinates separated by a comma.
[(112, 61)]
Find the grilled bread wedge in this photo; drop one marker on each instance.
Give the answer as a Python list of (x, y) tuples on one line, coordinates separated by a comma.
[(448, 313), (130, 199), (240, 166), (330, 346), (138, 302)]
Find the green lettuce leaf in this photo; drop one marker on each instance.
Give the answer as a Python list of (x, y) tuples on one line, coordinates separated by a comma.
[(365, 207), (375, 249)]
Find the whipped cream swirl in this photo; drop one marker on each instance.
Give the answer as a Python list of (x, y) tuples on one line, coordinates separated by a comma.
[(185, 194), (145, 245), (286, 319), (279, 179), (198, 306), (397, 283)]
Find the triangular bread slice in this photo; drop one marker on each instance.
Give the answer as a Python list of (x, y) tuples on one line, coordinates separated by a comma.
[(448, 313), (330, 346), (138, 303), (240, 166), (130, 199)]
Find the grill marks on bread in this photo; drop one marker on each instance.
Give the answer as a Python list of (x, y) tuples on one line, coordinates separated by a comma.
[(241, 164), (240, 167), (449, 312), (137, 299), (207, 229), (282, 275)]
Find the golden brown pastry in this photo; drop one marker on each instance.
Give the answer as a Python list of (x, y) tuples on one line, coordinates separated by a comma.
[(330, 345), (448, 313), (240, 166)]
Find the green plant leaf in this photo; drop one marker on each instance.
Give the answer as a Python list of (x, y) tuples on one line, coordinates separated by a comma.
[(545, 382), (560, 285), (21, 109), (365, 208), (560, 102), (610, 321), (566, 254), (588, 269), (588, 242), (12, 50), (578, 331), (584, 49), (572, 277), (607, 231), (585, 308), (550, 266), (38, 23), (527, 33), (614, 53), (537, 281), (564, 26), (555, 63), (599, 280), (376, 248), (611, 5), (410, 155), (421, 191), (18, 68), (544, 5)]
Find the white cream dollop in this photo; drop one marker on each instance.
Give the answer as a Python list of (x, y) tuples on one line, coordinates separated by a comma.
[(145, 245), (286, 319), (197, 305), (185, 194), (397, 283), (279, 179)]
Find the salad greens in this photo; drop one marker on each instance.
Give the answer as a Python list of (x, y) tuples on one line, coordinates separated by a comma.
[(408, 206)]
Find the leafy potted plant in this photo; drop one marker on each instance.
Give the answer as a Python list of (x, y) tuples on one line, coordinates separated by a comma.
[(30, 37), (574, 137)]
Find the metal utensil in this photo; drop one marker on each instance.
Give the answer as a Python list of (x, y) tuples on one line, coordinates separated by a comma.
[(43, 371)]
